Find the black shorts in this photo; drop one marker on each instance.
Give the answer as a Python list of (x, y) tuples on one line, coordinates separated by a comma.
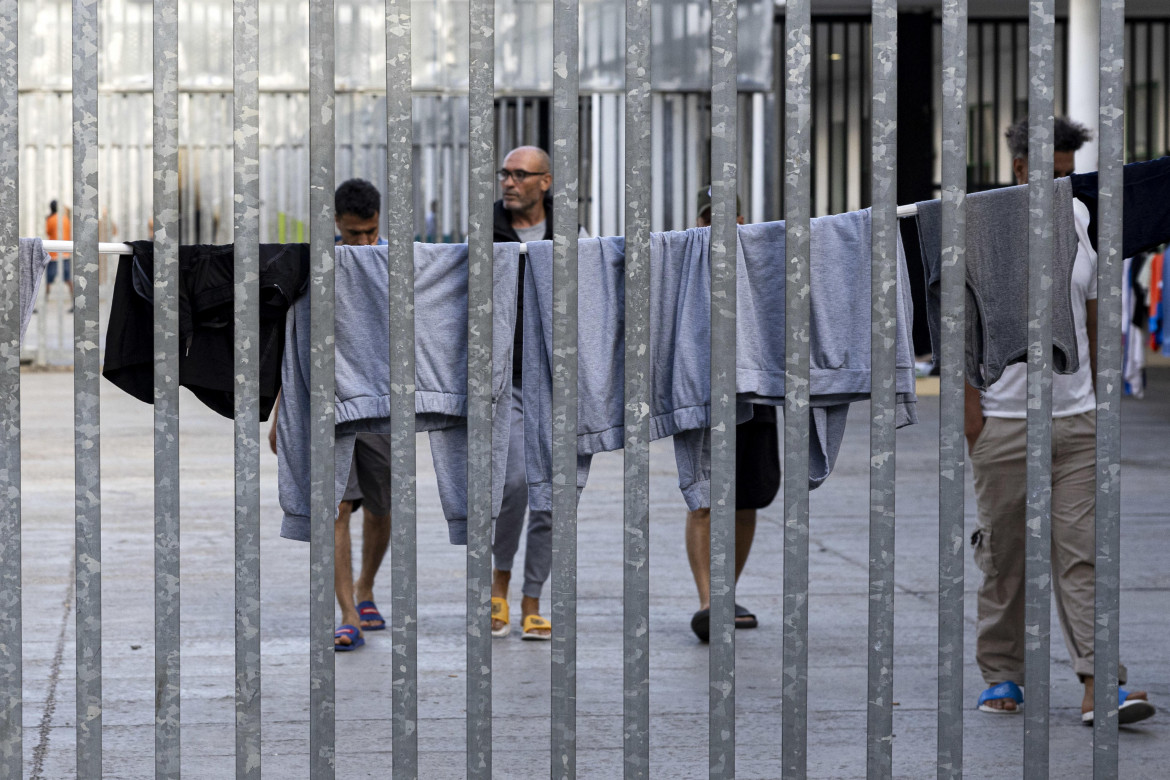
[(757, 460), (369, 474)]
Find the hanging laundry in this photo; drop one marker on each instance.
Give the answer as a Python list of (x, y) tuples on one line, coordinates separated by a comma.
[(206, 321), (997, 279), (840, 305), (680, 344), (1145, 204), (1156, 319), (362, 373), (1140, 282), (33, 259), (679, 352), (1133, 354), (1072, 394)]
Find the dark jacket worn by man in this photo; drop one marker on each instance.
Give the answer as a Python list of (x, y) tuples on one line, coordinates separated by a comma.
[(503, 232)]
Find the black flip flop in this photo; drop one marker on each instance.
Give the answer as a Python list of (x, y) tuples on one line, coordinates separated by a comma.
[(701, 622), (744, 618), (701, 625)]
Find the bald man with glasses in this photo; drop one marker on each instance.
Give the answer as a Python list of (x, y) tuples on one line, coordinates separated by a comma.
[(522, 214)]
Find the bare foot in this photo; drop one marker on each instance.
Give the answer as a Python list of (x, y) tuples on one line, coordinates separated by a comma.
[(1007, 705)]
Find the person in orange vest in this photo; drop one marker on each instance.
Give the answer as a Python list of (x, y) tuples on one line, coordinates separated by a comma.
[(58, 228)]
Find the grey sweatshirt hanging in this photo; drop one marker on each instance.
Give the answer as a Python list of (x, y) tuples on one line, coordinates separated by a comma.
[(33, 259), (997, 279), (679, 350), (363, 376), (680, 344), (839, 359)]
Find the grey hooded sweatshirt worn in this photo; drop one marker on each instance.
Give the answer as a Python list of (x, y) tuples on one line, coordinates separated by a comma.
[(362, 396), (997, 279)]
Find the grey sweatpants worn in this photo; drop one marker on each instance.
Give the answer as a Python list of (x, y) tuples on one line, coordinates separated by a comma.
[(538, 557), (998, 460)]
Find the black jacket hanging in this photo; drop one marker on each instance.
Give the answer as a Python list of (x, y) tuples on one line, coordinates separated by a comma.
[(206, 317)]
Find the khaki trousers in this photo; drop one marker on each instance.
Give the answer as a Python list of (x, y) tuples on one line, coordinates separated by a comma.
[(998, 460)]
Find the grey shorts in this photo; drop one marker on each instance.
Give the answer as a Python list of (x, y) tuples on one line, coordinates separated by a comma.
[(369, 474)]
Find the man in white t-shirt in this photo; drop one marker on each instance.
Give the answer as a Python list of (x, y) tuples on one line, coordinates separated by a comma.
[(996, 430)]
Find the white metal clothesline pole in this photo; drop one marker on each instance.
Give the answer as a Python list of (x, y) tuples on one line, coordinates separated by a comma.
[(124, 249)]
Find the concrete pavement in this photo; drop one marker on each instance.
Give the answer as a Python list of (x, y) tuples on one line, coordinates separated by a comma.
[(837, 641)]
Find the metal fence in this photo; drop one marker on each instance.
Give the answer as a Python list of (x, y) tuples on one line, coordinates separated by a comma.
[(400, 205)]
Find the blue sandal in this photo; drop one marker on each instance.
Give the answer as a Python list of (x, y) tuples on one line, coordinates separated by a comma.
[(368, 612), (1128, 710), (349, 632), (1005, 690)]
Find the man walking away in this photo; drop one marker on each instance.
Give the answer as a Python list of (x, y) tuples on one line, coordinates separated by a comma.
[(996, 428)]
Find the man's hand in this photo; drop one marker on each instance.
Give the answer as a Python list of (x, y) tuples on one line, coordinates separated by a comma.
[(972, 416), (272, 426)]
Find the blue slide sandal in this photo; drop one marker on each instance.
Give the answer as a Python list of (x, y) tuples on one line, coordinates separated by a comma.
[(1005, 690)]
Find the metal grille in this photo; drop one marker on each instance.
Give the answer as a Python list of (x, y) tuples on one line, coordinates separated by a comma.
[(492, 123)]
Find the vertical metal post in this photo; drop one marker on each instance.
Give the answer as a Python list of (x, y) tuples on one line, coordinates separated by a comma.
[(724, 124), (400, 236), (323, 509), (636, 455), (86, 391), (166, 389), (1111, 154), (952, 384), (566, 81), (246, 292), (481, 196), (883, 390), (797, 211), (1037, 567), (11, 672)]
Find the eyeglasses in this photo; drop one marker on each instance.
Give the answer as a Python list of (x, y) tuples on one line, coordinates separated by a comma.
[(517, 175)]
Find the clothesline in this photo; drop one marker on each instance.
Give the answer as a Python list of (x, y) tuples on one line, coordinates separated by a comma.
[(125, 249)]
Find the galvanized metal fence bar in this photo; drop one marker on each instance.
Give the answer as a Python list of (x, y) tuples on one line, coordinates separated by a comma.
[(323, 505), (883, 390), (1037, 567), (11, 656), (724, 127), (636, 457), (797, 341), (399, 209), (167, 739), (1110, 155), (565, 158), (246, 370), (481, 196), (952, 392), (86, 392), (400, 236)]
